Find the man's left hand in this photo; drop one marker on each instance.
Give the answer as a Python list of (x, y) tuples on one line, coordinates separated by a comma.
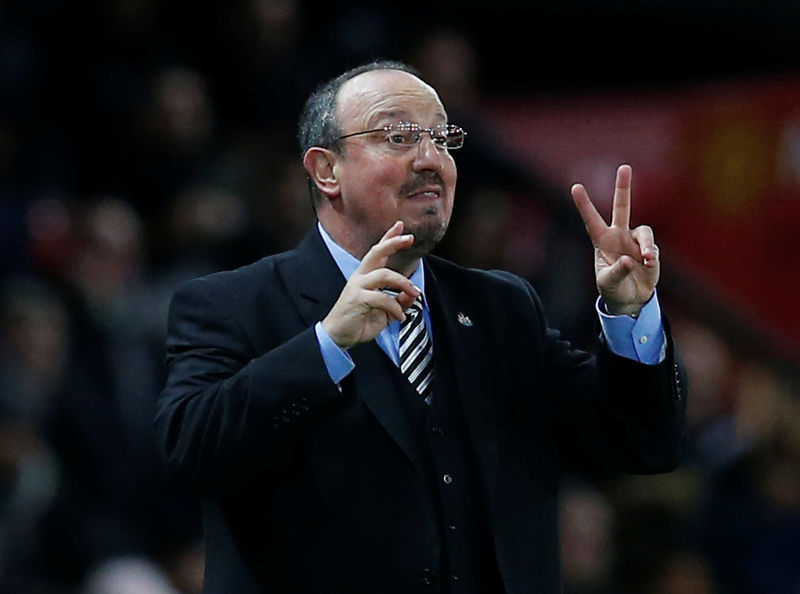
[(626, 261)]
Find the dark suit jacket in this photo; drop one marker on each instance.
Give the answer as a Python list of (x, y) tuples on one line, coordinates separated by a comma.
[(309, 487)]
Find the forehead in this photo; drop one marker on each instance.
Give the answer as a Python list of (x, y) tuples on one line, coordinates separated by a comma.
[(388, 94)]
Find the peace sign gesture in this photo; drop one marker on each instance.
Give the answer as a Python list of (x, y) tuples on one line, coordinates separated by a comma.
[(626, 261)]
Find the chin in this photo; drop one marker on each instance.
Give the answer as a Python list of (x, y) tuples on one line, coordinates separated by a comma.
[(427, 236)]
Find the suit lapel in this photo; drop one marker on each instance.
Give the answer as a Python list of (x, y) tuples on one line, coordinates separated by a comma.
[(314, 281), (374, 382), (458, 327), (311, 277)]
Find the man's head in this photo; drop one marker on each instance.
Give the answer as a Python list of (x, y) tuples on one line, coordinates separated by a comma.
[(363, 183)]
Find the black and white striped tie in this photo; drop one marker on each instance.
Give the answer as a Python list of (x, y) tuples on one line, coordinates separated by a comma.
[(416, 351)]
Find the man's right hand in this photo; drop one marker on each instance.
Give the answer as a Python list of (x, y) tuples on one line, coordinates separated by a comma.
[(363, 309)]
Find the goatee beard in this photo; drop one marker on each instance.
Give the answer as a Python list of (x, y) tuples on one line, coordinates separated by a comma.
[(427, 236)]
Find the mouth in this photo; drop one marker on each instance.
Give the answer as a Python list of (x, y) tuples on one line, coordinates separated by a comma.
[(426, 193)]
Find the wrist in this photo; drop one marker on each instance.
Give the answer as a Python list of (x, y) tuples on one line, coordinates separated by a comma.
[(624, 309), (627, 309), (335, 338)]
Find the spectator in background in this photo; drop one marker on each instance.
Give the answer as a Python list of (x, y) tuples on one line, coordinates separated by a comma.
[(751, 516), (34, 361), (81, 478), (171, 142), (588, 551)]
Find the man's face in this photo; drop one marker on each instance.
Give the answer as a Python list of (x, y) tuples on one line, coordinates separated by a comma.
[(381, 183)]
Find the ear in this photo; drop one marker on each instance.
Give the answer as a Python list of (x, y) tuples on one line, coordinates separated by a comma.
[(319, 164)]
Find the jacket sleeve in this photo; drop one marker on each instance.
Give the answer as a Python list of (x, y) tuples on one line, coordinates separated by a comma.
[(635, 420), (623, 416), (610, 414), (228, 413)]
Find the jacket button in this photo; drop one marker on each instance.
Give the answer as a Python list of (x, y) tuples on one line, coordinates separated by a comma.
[(452, 528), (428, 577), (447, 479)]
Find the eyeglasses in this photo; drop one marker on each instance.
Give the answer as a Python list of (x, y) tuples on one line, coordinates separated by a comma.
[(444, 136)]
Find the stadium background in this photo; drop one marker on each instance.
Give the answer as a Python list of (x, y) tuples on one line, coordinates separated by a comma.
[(145, 142)]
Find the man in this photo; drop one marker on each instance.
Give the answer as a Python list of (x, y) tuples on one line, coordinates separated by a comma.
[(332, 456)]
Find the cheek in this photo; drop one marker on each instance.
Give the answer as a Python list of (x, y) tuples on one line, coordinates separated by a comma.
[(380, 174), (391, 171), (450, 174)]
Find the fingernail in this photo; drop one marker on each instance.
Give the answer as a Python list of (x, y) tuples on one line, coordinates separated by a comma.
[(417, 289)]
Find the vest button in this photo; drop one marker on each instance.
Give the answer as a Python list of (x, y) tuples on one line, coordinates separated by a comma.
[(452, 528), (428, 577), (447, 479), (437, 431)]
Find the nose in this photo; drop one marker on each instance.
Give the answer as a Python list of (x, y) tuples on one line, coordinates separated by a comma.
[(429, 156)]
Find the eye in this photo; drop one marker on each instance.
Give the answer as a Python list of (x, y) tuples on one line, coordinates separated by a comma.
[(442, 137), (403, 137), (455, 137), (441, 140)]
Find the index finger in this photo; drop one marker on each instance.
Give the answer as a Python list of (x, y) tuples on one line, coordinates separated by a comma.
[(595, 224), (621, 210), (391, 243)]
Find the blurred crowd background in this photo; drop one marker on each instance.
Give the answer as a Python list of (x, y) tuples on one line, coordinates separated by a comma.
[(143, 143)]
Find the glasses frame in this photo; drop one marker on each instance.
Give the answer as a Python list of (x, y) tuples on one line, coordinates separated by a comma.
[(414, 127)]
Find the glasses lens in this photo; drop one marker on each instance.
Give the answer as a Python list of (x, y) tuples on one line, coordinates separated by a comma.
[(403, 134), (454, 137), (409, 134), (439, 136)]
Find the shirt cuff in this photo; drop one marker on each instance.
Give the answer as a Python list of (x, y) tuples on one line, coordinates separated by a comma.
[(641, 339), (337, 361)]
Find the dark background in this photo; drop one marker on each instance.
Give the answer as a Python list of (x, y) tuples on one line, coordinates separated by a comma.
[(143, 143)]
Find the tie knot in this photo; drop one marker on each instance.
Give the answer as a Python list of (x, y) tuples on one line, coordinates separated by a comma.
[(415, 308)]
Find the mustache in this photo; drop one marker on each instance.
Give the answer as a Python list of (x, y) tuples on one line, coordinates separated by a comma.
[(421, 180)]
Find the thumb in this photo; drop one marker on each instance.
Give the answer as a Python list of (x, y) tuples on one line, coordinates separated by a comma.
[(619, 270)]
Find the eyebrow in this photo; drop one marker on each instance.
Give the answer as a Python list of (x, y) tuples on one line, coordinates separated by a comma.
[(386, 115)]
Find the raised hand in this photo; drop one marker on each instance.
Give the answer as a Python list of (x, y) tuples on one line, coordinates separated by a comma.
[(626, 261), (363, 308)]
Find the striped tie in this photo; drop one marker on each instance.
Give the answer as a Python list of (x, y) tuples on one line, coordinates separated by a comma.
[(416, 351)]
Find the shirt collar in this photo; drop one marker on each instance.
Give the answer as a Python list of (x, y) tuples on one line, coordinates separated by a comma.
[(348, 263)]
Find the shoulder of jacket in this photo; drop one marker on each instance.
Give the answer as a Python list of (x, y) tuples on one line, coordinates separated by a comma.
[(239, 279), (447, 270)]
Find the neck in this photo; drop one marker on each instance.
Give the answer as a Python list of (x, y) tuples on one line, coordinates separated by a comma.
[(405, 262)]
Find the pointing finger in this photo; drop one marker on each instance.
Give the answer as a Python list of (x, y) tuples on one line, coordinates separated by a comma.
[(391, 243), (595, 225)]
